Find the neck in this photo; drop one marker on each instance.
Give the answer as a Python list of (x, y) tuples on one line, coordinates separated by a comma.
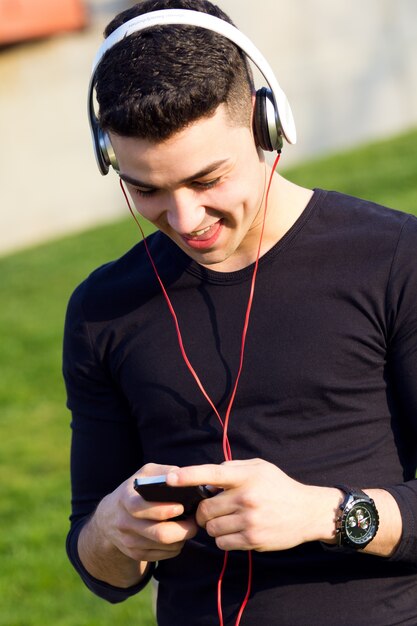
[(287, 202)]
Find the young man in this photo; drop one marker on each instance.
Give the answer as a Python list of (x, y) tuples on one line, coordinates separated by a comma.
[(325, 410)]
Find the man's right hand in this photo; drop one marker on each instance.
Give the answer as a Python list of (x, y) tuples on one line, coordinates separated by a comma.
[(126, 533)]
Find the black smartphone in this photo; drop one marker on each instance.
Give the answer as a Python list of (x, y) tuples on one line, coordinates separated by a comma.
[(155, 489)]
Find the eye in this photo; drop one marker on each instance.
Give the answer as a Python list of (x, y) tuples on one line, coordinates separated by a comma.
[(206, 185), (144, 193)]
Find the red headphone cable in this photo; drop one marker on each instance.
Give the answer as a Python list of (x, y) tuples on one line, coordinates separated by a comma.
[(227, 452)]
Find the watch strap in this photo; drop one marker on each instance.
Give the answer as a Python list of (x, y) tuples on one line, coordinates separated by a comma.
[(353, 491)]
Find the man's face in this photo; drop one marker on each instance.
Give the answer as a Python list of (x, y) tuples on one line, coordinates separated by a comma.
[(203, 187)]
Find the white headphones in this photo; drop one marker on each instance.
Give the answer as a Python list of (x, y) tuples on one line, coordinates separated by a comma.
[(273, 118)]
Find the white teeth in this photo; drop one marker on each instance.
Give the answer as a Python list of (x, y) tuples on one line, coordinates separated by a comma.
[(197, 233)]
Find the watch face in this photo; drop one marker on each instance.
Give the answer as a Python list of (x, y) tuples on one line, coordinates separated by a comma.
[(360, 523)]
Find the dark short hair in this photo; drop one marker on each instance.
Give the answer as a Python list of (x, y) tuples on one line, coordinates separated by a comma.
[(156, 82)]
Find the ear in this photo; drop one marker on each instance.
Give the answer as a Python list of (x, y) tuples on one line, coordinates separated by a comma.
[(252, 119)]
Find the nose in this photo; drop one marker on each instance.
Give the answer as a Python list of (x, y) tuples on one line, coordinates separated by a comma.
[(184, 211)]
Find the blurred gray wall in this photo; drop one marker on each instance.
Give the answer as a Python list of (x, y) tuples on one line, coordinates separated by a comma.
[(349, 70)]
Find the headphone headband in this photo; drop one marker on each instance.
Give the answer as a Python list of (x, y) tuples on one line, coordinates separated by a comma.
[(284, 124)]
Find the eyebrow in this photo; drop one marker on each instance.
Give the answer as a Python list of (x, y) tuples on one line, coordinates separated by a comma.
[(204, 172)]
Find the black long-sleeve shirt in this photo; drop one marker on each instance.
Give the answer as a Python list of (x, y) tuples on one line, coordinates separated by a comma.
[(328, 393)]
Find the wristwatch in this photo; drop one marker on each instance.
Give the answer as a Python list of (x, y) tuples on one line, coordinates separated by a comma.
[(358, 521)]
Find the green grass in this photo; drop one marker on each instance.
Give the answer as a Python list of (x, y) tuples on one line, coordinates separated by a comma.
[(385, 172), (37, 584)]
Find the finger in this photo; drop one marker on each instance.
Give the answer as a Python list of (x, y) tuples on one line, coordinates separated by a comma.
[(217, 506), (223, 476), (160, 555), (141, 543), (243, 462), (234, 541), (230, 533), (156, 511), (154, 469), (222, 526), (141, 548), (165, 533)]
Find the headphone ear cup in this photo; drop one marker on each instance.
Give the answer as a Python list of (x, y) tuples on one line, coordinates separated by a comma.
[(267, 128), (106, 150), (103, 149)]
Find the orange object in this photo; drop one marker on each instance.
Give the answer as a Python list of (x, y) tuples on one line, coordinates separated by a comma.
[(29, 19)]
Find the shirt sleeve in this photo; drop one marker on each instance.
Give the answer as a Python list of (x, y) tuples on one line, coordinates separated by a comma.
[(100, 588), (105, 447), (402, 364)]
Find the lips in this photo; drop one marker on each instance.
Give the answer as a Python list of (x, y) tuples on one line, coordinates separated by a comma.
[(204, 238)]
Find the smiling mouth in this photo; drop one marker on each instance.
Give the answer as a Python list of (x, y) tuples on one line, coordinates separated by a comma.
[(205, 237), (204, 233), (198, 233)]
